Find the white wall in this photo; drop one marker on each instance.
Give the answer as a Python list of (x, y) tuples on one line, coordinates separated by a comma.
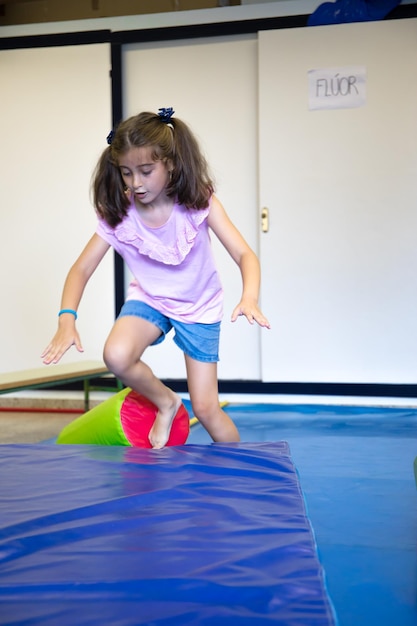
[(54, 117), (176, 18), (47, 99), (249, 10), (55, 113)]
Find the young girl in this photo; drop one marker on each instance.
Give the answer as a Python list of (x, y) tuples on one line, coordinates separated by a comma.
[(155, 205)]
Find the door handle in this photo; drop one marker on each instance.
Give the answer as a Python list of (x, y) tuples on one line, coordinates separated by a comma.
[(265, 220)]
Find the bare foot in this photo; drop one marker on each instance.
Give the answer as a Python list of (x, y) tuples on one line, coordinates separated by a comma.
[(159, 433)]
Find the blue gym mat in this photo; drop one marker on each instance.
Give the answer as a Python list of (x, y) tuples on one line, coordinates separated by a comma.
[(194, 535), (355, 466)]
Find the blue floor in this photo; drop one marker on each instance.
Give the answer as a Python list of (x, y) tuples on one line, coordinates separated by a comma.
[(356, 470)]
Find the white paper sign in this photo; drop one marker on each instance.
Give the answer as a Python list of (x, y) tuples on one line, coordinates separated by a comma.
[(337, 88)]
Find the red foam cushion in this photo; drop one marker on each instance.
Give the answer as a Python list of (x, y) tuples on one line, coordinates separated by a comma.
[(137, 416)]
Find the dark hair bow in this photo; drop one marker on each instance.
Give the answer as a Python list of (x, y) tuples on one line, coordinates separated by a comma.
[(166, 114), (110, 137)]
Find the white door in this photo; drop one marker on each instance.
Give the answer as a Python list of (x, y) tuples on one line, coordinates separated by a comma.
[(211, 84), (340, 257)]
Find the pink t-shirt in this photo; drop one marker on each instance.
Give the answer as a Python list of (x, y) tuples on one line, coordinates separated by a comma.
[(173, 265)]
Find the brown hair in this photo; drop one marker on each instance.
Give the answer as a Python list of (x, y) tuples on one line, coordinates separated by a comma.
[(190, 182)]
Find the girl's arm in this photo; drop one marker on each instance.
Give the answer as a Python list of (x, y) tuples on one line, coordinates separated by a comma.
[(77, 278), (246, 259)]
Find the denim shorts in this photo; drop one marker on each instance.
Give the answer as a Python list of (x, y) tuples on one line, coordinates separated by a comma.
[(199, 341)]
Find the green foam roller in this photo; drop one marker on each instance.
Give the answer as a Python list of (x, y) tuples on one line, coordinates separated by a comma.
[(101, 425)]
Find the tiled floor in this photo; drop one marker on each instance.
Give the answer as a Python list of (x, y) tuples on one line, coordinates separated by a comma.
[(28, 416), (28, 427)]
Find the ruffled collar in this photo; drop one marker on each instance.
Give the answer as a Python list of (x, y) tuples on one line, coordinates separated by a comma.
[(169, 243)]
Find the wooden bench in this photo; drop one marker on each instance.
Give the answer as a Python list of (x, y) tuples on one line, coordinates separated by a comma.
[(52, 375)]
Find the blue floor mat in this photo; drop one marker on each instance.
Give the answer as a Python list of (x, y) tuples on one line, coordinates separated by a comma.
[(356, 471), (193, 536)]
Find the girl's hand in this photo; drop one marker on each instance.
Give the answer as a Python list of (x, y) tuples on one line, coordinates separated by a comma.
[(65, 337), (252, 313), (78, 276)]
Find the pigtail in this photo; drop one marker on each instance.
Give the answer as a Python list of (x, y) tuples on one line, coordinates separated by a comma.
[(190, 182), (110, 199)]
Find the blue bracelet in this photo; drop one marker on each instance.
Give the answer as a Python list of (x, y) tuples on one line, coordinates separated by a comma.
[(74, 313)]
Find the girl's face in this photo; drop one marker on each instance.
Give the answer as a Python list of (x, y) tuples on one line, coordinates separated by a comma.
[(145, 178)]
